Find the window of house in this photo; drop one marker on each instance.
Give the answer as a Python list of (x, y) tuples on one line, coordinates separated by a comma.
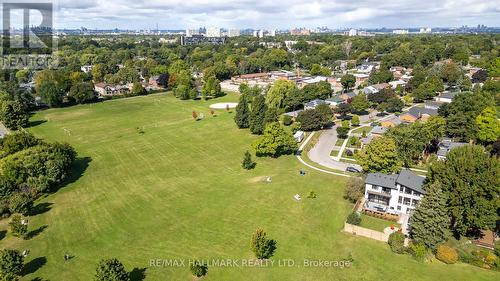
[(407, 191), (406, 201), (401, 188), (414, 202), (400, 199), (399, 208)]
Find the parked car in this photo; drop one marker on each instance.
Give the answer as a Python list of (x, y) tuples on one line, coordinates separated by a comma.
[(352, 170)]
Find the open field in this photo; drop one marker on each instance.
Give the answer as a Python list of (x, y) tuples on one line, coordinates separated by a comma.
[(177, 191)]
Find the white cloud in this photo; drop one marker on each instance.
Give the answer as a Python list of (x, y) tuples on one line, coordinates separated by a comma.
[(170, 14)]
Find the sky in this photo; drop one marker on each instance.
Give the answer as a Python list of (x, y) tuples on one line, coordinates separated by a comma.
[(270, 14)]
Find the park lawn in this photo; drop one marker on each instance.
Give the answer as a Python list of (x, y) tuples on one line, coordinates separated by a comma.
[(178, 191), (376, 223)]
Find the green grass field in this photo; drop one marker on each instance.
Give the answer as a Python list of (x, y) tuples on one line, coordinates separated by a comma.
[(177, 191), (376, 223)]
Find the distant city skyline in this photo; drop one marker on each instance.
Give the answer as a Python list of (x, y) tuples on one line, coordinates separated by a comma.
[(259, 14)]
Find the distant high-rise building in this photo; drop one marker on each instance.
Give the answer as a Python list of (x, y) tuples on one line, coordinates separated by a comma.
[(272, 32), (426, 30), (191, 32), (353, 32), (233, 32), (261, 33), (255, 33), (213, 32), (300, 31), (400, 31)]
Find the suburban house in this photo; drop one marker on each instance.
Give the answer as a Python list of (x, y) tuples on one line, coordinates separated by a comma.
[(393, 194), (376, 132), (312, 104), (395, 84), (361, 78), (334, 101), (294, 114), (347, 96), (375, 88), (157, 81), (389, 123), (368, 67), (312, 80), (445, 146), (283, 75), (446, 97), (417, 113), (433, 105), (109, 90)]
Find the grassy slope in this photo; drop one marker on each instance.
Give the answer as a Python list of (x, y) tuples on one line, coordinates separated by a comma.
[(178, 191)]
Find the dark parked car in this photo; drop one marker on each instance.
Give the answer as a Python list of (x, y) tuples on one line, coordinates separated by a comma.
[(352, 170)]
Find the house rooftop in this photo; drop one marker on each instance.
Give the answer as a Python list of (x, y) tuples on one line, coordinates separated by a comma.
[(419, 111), (405, 178)]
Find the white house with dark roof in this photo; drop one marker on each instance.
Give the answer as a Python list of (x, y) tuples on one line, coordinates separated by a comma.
[(445, 146), (393, 194)]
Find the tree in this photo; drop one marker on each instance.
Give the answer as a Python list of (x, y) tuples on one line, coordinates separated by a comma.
[(348, 81), (380, 76), (355, 120), (278, 93), (248, 163), (360, 103), (343, 109), (82, 92), (261, 246), (355, 189), (198, 269), (111, 270), (480, 76), (258, 115), (20, 202), (17, 227), (430, 222), (11, 264), (321, 90), (211, 88), (451, 73), (394, 105), (242, 116), (379, 156), (354, 218), (275, 142), (469, 179), (488, 126), (410, 142), (342, 132), (317, 69), (13, 115), (315, 119), (397, 242), (138, 89), (50, 93), (461, 114)]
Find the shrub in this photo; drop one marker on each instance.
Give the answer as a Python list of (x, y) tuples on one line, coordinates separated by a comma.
[(349, 152), (342, 132), (17, 227), (446, 254), (397, 242), (287, 120), (311, 194), (198, 269), (354, 218), (353, 141), (11, 264), (419, 251), (248, 163)]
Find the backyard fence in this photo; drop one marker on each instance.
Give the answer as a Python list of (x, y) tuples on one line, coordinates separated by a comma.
[(365, 232)]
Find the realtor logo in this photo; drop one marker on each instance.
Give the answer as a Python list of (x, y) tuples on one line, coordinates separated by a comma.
[(27, 34)]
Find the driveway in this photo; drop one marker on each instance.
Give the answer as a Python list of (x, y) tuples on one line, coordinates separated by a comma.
[(320, 153)]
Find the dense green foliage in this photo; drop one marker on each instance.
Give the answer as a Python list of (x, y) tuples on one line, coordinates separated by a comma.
[(11, 264), (430, 221), (315, 119), (397, 242), (275, 142), (354, 218), (111, 270), (262, 247), (470, 182), (379, 156)]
